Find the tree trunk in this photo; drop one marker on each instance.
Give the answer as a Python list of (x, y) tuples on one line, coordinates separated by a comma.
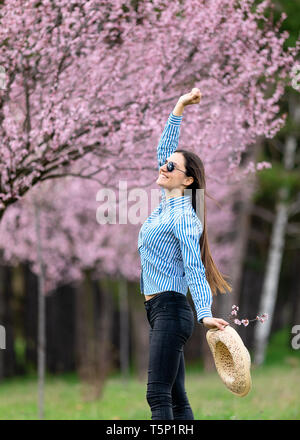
[(271, 279), (86, 337), (41, 318), (60, 330), (7, 356), (2, 320), (19, 313), (124, 328), (31, 313), (242, 228), (140, 331), (94, 308), (104, 332), (295, 295)]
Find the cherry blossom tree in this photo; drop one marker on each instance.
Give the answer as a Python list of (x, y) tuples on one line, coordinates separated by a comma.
[(73, 241), (88, 87), (95, 81)]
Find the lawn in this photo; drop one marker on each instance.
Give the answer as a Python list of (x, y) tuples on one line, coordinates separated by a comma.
[(275, 396)]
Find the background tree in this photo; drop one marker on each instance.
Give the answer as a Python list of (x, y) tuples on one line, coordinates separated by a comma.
[(81, 99), (79, 79)]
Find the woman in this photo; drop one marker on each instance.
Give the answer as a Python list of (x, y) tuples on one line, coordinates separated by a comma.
[(172, 244)]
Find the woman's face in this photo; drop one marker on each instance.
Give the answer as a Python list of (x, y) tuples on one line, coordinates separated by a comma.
[(175, 179)]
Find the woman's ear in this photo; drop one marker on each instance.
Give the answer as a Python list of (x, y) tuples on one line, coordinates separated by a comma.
[(189, 181)]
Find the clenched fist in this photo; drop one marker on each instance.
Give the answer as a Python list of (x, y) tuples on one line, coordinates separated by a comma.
[(193, 97)]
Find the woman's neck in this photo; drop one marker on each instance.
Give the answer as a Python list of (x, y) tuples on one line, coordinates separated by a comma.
[(175, 192)]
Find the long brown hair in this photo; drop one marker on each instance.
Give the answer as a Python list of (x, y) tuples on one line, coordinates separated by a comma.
[(194, 168)]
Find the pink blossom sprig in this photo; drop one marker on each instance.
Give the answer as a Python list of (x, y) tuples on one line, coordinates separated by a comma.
[(246, 321)]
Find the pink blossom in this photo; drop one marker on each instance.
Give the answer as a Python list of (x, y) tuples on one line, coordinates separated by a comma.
[(245, 322), (234, 312), (237, 321), (124, 122), (112, 72), (262, 165)]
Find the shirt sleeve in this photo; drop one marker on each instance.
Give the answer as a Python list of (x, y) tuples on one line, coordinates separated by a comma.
[(168, 142), (188, 231)]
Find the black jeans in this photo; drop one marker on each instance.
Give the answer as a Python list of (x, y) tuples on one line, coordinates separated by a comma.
[(171, 320)]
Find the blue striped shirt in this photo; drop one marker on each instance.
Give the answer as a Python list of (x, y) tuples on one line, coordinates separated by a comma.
[(168, 241)]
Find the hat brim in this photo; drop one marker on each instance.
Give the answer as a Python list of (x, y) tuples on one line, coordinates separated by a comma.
[(232, 359)]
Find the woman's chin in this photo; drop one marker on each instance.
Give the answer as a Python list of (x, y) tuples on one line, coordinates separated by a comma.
[(160, 183)]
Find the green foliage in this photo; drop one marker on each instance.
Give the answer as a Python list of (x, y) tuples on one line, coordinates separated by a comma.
[(20, 351), (291, 126), (272, 179), (280, 350), (291, 23)]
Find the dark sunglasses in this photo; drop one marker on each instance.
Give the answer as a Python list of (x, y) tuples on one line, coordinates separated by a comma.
[(171, 167)]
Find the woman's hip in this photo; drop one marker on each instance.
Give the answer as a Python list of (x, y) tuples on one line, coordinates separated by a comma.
[(171, 312), (162, 298)]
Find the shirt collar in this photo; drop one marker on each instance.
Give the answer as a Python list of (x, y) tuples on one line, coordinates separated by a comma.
[(179, 201)]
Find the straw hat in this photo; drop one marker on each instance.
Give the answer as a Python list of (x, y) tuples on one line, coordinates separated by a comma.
[(232, 359)]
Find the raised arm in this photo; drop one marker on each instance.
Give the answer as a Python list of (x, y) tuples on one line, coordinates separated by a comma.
[(168, 142), (170, 137)]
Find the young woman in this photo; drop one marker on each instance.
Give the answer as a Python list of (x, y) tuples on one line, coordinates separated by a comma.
[(175, 255)]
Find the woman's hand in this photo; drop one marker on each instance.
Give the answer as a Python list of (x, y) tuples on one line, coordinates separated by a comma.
[(215, 322), (193, 97)]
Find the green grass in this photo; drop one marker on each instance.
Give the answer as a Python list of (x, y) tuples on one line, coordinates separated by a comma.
[(274, 396), (275, 393)]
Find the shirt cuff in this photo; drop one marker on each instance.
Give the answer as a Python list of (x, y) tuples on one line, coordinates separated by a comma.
[(174, 120), (204, 313)]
